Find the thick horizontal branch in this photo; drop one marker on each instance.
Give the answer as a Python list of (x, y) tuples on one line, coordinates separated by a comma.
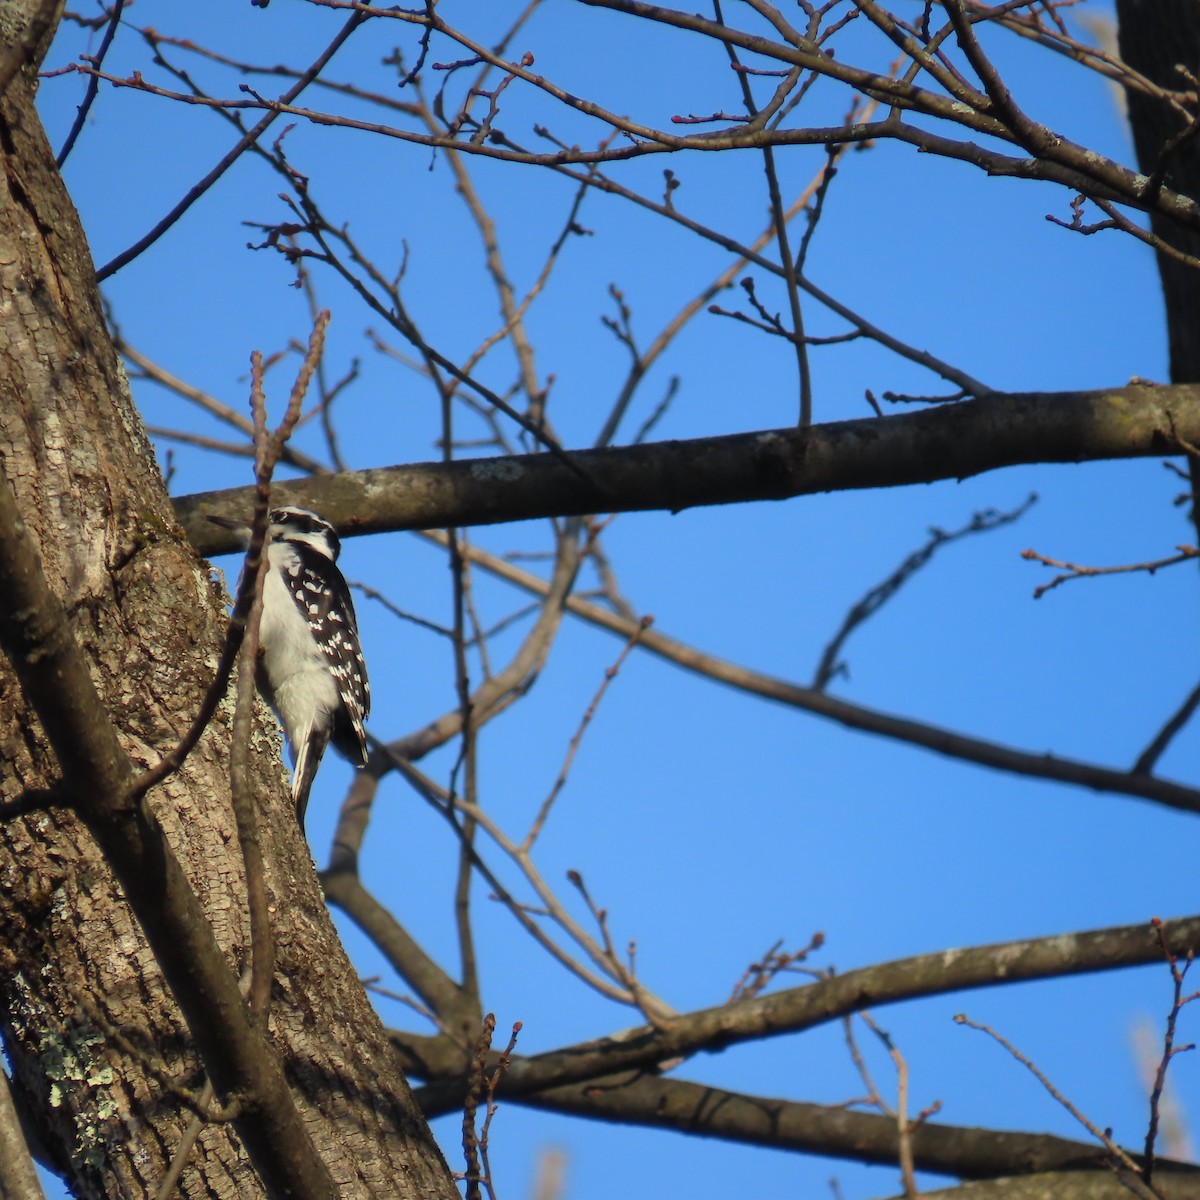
[(832, 1131), (1066, 1185), (797, 1009), (949, 442)]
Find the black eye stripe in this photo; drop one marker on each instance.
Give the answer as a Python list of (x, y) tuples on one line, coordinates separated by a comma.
[(300, 519), (299, 526)]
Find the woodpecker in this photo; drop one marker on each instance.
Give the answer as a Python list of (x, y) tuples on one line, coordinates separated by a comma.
[(310, 665)]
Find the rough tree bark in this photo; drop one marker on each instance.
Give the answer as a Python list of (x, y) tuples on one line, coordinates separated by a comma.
[(96, 1040)]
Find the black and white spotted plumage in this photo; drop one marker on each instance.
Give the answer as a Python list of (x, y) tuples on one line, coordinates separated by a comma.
[(310, 667)]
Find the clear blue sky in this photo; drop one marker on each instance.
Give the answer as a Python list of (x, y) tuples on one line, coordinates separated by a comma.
[(709, 824)]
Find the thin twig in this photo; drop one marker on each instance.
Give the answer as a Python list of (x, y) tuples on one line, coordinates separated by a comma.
[(183, 1151), (1078, 571), (242, 145), (873, 1097), (759, 974), (1178, 1000), (254, 575), (477, 1082), (981, 522), (904, 1127), (573, 747), (93, 85), (493, 1081), (1119, 1156), (781, 236), (1149, 757)]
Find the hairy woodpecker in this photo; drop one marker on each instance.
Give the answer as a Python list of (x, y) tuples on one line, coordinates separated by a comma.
[(310, 667)]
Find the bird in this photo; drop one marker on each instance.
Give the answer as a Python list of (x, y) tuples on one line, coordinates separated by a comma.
[(310, 667)]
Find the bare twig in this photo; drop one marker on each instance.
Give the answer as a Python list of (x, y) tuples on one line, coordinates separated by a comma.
[(243, 144), (1077, 571), (254, 575), (502, 1064), (779, 217), (573, 747), (1120, 1158), (904, 1127), (624, 972), (874, 1096), (881, 593), (1169, 1050), (856, 716), (759, 974), (174, 1171), (93, 84), (477, 1082), (1154, 751), (203, 1114)]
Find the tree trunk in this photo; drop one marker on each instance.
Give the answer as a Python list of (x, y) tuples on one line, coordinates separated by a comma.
[(98, 1047), (1155, 38)]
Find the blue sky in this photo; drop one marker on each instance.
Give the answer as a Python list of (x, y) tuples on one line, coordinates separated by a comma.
[(709, 823)]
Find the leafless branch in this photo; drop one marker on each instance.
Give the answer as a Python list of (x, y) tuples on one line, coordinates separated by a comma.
[(796, 1009), (228, 159), (1120, 1157), (93, 85), (1170, 1049), (1077, 571), (560, 782), (1149, 757), (855, 716), (881, 593)]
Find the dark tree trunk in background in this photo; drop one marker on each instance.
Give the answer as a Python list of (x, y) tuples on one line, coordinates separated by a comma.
[(95, 1039), (1156, 37)]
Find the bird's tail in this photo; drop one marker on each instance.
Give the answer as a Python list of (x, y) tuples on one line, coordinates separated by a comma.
[(308, 759)]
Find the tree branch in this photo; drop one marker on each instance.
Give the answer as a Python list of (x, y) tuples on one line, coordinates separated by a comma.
[(1137, 781), (950, 442), (1068, 1185), (836, 1132), (456, 1012), (796, 1009), (18, 1176)]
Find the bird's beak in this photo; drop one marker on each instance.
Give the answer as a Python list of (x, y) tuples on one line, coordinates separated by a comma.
[(226, 522), (235, 526)]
